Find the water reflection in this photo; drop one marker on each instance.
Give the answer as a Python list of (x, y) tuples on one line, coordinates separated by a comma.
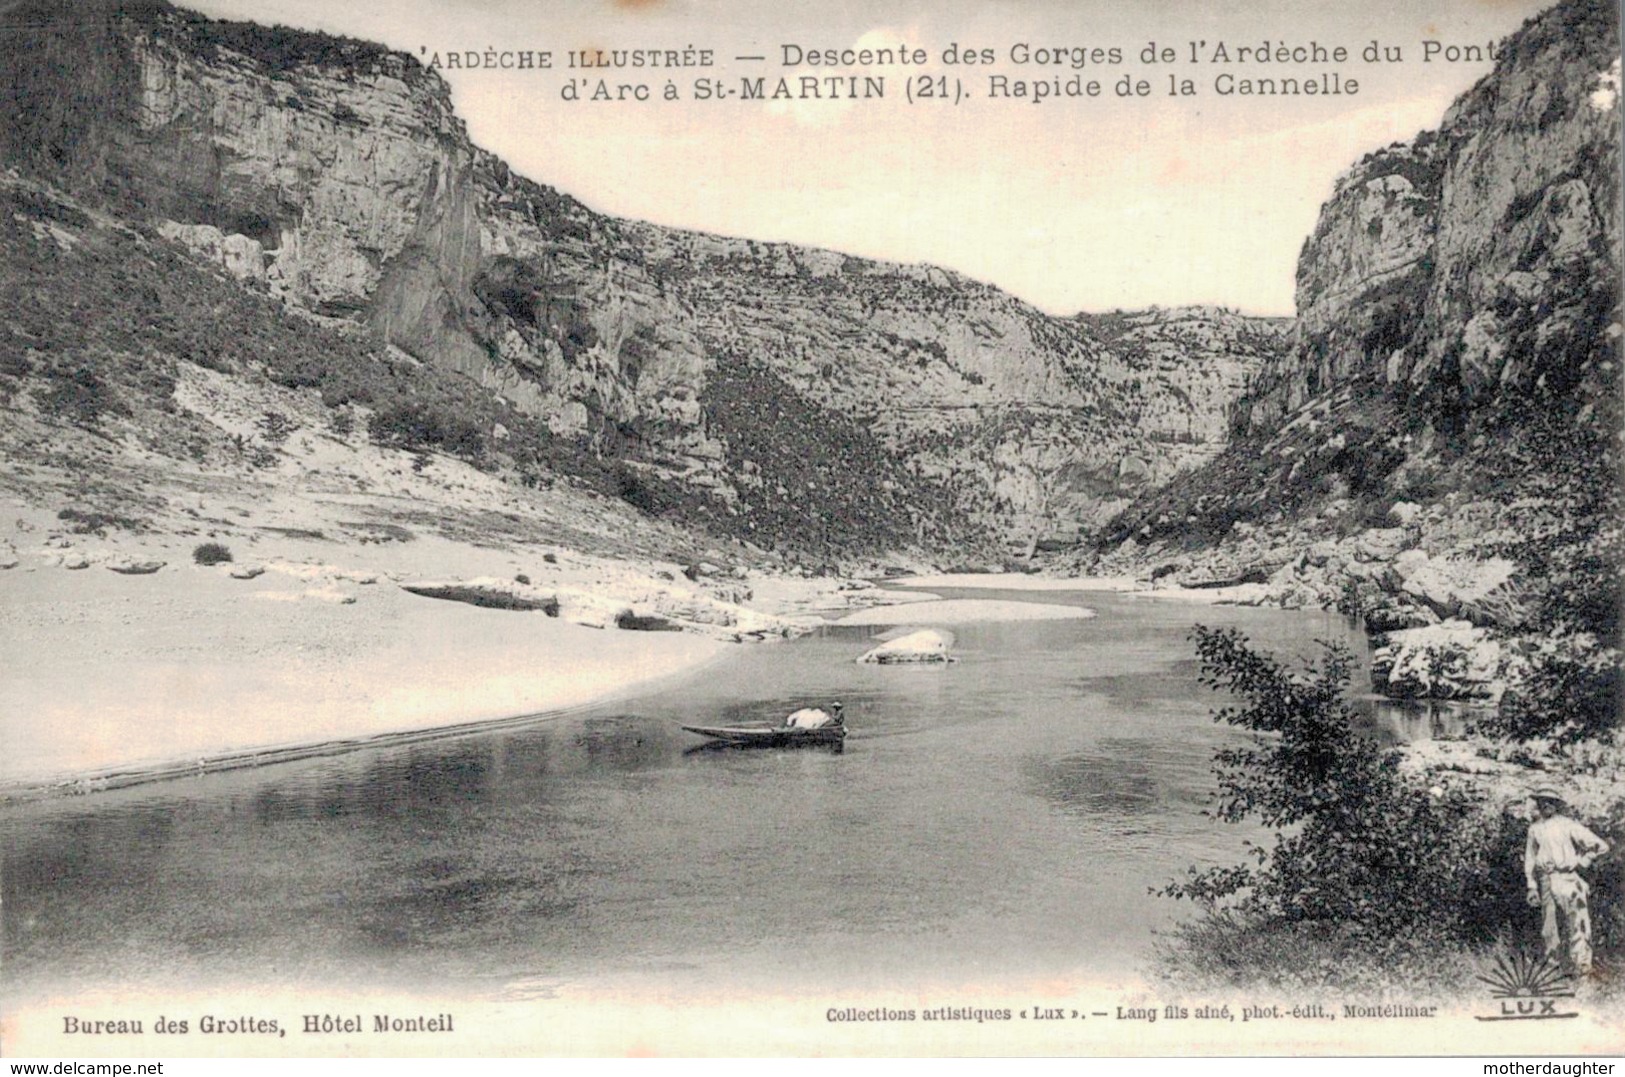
[(1410, 721), (1097, 784), (1003, 815), (1120, 777)]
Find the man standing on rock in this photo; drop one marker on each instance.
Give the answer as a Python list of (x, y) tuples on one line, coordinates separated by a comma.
[(1557, 851)]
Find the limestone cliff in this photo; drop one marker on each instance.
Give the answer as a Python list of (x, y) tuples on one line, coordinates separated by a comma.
[(1362, 278), (335, 176), (1477, 259), (1441, 443)]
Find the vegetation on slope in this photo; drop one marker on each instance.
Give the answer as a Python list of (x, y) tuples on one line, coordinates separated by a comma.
[(94, 318), (814, 473), (1377, 876)]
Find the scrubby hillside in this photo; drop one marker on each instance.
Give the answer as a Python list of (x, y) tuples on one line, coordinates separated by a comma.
[(1442, 443), (333, 176), (115, 347)]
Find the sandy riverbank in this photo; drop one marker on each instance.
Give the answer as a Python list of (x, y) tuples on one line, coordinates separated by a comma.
[(115, 678), (130, 676), (960, 611), (121, 653), (118, 673), (1243, 594)]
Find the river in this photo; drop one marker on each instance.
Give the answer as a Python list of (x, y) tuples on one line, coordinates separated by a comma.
[(998, 818)]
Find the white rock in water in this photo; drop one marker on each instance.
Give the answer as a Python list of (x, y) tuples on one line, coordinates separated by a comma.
[(927, 645)]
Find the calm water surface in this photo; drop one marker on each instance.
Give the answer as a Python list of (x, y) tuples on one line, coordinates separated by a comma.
[(1004, 816)]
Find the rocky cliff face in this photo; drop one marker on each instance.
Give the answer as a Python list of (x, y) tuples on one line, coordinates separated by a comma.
[(334, 175), (1362, 278), (1441, 444), (1038, 425), (1477, 259)]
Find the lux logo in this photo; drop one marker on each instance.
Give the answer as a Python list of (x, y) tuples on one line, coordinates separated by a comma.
[(1528, 989)]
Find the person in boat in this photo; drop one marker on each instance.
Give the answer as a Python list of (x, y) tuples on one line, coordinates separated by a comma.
[(1557, 850), (816, 718)]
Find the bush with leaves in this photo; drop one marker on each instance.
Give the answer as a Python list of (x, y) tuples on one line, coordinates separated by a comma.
[(1570, 691), (211, 553), (80, 395), (417, 425), (1570, 529), (276, 427), (92, 522), (1360, 846)]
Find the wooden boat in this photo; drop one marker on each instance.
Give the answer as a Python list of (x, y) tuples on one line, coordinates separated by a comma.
[(770, 736)]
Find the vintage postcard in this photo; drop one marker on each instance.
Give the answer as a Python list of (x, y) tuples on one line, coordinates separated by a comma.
[(613, 527)]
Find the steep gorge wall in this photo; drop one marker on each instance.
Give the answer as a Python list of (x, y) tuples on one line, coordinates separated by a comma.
[(335, 174), (1037, 423), (1478, 259), (1443, 439)]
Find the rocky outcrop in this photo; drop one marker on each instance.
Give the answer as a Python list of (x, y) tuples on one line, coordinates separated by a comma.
[(131, 567), (1432, 565), (925, 646), (1527, 242), (336, 176), (1478, 591), (238, 255), (1450, 660), (1361, 279), (1440, 445), (489, 594), (1479, 259), (627, 603)]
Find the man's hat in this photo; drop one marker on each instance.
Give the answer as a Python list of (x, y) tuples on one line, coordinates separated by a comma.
[(1546, 792), (836, 705)]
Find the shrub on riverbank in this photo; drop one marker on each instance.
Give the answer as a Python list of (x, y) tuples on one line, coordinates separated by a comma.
[(1371, 867), (1225, 949), (211, 553)]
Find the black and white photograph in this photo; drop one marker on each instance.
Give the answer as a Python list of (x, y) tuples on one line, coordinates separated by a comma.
[(706, 528)]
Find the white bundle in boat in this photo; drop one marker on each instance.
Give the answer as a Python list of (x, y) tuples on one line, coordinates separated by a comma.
[(810, 718)]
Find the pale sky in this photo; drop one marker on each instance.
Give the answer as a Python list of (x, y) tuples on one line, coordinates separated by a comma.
[(1071, 204)]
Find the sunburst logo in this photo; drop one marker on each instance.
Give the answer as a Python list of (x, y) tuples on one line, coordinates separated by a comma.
[(1528, 988)]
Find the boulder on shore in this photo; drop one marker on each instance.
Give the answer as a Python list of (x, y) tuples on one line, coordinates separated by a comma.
[(1478, 590), (1450, 660), (134, 568), (489, 593)]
